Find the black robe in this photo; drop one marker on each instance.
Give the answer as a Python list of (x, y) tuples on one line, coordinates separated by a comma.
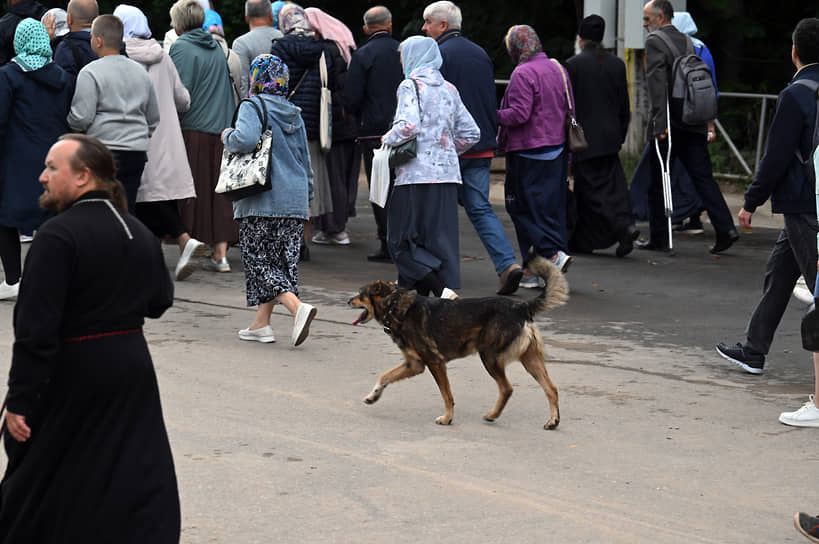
[(98, 465), (600, 191)]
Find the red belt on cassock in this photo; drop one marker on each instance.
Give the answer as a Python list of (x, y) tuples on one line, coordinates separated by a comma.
[(100, 335)]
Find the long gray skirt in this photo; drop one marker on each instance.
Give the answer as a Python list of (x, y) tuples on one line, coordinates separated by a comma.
[(422, 233)]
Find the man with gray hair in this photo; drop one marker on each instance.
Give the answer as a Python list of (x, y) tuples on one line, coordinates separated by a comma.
[(467, 66), (259, 16), (370, 95), (74, 51)]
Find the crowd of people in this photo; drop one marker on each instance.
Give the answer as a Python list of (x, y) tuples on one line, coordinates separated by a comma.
[(106, 97)]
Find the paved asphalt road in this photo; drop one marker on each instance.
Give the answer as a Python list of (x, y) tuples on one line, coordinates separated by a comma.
[(660, 439)]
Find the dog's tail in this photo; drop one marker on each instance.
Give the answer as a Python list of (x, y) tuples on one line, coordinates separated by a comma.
[(556, 292)]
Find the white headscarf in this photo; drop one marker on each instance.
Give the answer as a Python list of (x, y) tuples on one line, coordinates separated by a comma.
[(420, 52), (134, 22)]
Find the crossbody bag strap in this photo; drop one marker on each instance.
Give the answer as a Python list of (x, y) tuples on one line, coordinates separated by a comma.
[(296, 88), (565, 86), (261, 112), (417, 97)]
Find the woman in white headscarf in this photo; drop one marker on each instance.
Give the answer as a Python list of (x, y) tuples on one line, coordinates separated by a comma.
[(167, 176), (422, 218)]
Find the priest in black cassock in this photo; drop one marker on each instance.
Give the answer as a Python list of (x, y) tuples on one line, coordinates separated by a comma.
[(604, 214), (88, 453)]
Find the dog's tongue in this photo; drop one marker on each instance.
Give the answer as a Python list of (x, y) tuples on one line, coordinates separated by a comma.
[(357, 321)]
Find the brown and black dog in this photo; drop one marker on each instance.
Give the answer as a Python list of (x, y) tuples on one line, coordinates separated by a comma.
[(432, 331)]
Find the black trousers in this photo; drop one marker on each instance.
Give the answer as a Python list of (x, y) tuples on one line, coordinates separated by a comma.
[(161, 217), (10, 254), (692, 150), (793, 254), (130, 165)]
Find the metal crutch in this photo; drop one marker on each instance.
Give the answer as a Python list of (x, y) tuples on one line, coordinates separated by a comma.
[(665, 168)]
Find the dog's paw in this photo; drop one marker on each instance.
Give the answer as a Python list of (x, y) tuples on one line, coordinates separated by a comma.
[(489, 417), (443, 420), (374, 395), (551, 424)]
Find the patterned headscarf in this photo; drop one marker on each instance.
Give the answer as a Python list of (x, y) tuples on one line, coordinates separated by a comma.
[(334, 30), (522, 43), (32, 45), (292, 19), (134, 22), (419, 52), (269, 75)]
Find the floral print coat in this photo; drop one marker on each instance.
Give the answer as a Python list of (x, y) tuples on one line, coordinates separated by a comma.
[(444, 129)]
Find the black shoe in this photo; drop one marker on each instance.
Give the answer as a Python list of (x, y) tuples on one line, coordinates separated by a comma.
[(627, 241), (649, 245), (752, 363), (807, 525), (380, 256), (724, 241)]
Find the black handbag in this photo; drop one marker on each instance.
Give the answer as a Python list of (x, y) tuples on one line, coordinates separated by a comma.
[(407, 151)]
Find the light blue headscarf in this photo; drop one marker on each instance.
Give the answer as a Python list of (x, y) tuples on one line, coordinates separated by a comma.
[(683, 22), (277, 7), (213, 23), (419, 52), (134, 22), (32, 45)]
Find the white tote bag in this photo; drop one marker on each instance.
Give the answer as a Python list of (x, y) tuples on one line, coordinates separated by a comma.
[(325, 109), (380, 176)]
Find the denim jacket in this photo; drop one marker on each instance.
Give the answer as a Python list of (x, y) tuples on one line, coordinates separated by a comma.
[(290, 173)]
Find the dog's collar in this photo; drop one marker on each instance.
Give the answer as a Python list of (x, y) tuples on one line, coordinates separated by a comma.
[(388, 317)]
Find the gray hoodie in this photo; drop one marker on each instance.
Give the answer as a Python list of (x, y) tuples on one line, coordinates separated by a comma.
[(114, 101)]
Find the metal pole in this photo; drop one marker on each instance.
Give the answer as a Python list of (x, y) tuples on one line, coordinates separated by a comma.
[(733, 147), (760, 135)]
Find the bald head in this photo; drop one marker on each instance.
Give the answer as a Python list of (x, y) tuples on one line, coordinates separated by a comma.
[(377, 18), (81, 13)]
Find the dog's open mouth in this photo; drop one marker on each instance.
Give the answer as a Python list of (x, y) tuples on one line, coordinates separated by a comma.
[(363, 317)]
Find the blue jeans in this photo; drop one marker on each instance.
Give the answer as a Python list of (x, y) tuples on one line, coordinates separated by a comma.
[(474, 197)]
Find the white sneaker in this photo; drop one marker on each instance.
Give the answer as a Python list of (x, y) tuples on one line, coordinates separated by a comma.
[(264, 335), (531, 281), (301, 324), (222, 265), (340, 239), (321, 239), (806, 416), (185, 266), (449, 293), (9, 291), (561, 260), (26, 238), (801, 291)]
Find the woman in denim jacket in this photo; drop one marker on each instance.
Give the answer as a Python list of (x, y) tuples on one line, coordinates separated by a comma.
[(271, 223), (422, 217)]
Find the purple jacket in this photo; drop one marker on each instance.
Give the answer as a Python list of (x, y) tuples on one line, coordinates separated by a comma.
[(533, 109)]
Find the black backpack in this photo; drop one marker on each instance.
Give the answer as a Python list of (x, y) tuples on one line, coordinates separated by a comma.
[(693, 96)]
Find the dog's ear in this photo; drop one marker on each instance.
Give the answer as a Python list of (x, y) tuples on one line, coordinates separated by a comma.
[(380, 288)]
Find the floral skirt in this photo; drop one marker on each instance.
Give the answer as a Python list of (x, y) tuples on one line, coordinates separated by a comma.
[(270, 255)]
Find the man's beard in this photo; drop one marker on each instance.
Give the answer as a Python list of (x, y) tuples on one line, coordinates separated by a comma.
[(48, 202)]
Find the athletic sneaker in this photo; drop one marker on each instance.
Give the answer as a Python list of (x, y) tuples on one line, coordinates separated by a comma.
[(806, 416), (561, 260), (692, 226), (337, 239), (531, 281), (9, 291), (222, 265), (801, 291), (750, 362), (264, 335), (807, 525)]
